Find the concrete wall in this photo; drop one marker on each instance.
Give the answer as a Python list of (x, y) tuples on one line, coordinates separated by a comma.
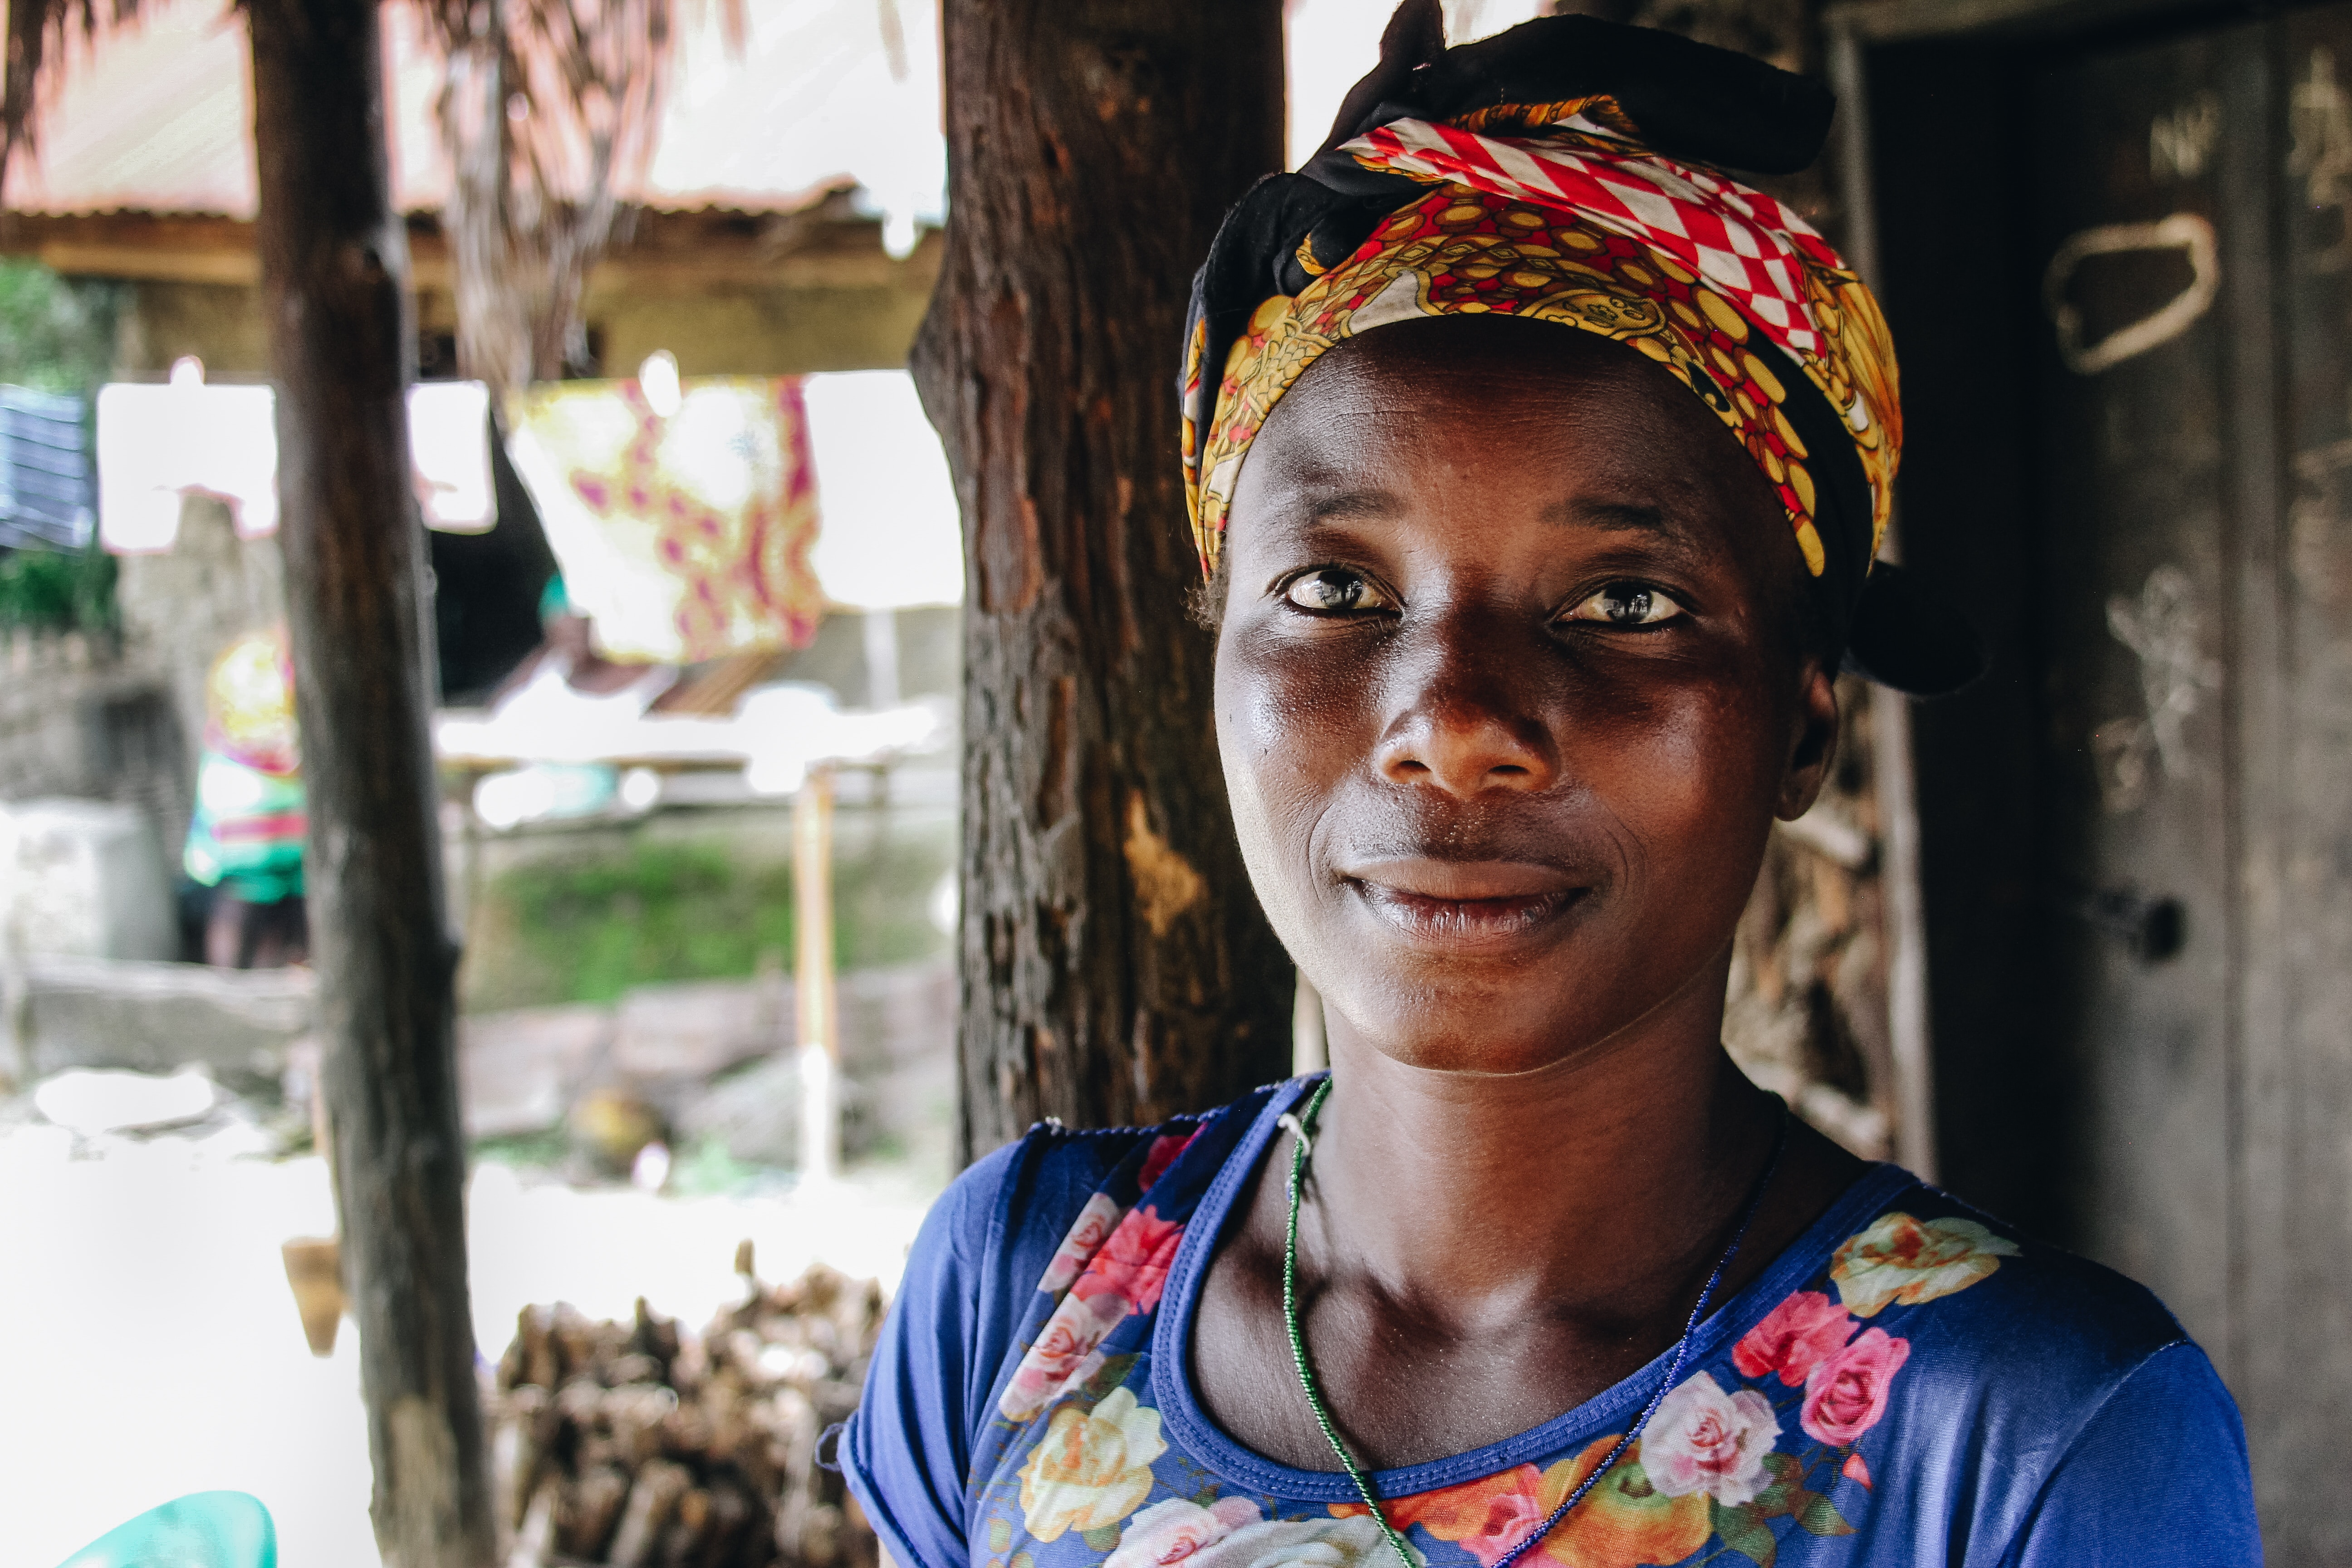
[(181, 607), (44, 683), (121, 720), (79, 720)]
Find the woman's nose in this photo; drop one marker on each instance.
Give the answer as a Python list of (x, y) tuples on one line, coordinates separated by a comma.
[(1465, 728)]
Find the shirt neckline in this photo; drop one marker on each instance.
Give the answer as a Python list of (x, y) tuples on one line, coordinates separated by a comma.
[(1208, 1444)]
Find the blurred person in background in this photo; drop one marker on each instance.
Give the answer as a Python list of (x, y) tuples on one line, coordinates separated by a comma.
[(245, 839)]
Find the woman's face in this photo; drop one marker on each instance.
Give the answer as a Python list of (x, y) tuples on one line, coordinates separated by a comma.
[(1508, 689)]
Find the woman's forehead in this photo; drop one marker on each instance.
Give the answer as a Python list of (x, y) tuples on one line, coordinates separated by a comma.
[(1569, 423)]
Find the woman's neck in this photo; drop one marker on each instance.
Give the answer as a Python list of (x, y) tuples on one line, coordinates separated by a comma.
[(1611, 1169), (1479, 1252)]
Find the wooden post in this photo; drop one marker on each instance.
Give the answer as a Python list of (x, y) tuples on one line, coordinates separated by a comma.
[(812, 988), (333, 266), (1115, 966)]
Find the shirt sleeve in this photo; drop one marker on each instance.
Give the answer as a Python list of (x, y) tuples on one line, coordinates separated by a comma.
[(907, 1450), (2156, 1479)]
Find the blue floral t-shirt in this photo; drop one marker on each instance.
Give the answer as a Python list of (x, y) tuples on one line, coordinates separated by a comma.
[(1906, 1383)]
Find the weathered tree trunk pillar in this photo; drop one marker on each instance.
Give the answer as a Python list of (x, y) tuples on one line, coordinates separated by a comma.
[(333, 264), (1116, 965)]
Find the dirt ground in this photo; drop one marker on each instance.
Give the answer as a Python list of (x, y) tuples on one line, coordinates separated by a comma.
[(152, 1347)]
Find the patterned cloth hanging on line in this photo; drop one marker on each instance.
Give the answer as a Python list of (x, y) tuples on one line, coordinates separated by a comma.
[(682, 537)]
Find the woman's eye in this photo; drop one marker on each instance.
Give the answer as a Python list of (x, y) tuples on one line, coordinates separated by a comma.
[(1626, 604), (1333, 591)]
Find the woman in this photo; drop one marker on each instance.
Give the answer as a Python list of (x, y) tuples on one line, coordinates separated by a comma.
[(1519, 657)]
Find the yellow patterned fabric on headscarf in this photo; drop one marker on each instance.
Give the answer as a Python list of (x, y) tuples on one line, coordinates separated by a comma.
[(1717, 283), (1571, 169)]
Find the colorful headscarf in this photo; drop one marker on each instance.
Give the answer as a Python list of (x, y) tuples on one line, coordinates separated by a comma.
[(1566, 171), (250, 703)]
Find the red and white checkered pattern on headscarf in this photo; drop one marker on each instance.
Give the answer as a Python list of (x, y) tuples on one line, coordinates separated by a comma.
[(1740, 240)]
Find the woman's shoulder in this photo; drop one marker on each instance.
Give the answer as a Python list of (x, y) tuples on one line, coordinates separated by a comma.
[(1917, 1379), (1011, 1213), (1991, 1319), (1991, 1280), (1964, 1368)]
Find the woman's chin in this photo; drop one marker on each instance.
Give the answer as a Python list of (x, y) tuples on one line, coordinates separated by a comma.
[(1504, 1009), (1446, 1024), (1424, 1045)]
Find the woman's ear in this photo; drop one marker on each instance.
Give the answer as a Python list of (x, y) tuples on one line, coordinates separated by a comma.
[(1812, 742)]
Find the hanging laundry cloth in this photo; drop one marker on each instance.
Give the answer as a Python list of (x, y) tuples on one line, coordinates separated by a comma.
[(159, 445), (685, 537), (449, 456), (894, 538)]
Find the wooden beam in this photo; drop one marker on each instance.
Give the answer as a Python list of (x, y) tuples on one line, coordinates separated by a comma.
[(238, 268), (333, 272), (669, 253)]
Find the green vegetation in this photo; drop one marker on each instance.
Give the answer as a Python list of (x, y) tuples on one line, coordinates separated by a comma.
[(56, 334), (666, 912), (544, 1150), (589, 928), (57, 590), (706, 1170)]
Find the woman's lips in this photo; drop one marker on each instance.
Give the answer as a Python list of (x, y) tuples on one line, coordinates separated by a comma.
[(1460, 904)]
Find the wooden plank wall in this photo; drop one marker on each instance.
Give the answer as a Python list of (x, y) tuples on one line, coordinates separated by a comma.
[(2136, 834)]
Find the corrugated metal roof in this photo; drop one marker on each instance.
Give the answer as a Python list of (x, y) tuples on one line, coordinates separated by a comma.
[(157, 118)]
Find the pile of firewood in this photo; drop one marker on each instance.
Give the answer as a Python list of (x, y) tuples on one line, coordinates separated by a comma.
[(638, 1446)]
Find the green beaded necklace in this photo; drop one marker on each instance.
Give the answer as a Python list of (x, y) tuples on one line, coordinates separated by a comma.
[(1301, 1127)]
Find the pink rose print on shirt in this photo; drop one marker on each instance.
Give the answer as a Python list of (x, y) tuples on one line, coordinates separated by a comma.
[(1167, 1533), (1794, 1338), (1064, 1355), (1486, 1518), (1087, 1233), (1846, 1394), (1164, 1154), (1705, 1440), (1510, 1516), (1134, 1262)]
